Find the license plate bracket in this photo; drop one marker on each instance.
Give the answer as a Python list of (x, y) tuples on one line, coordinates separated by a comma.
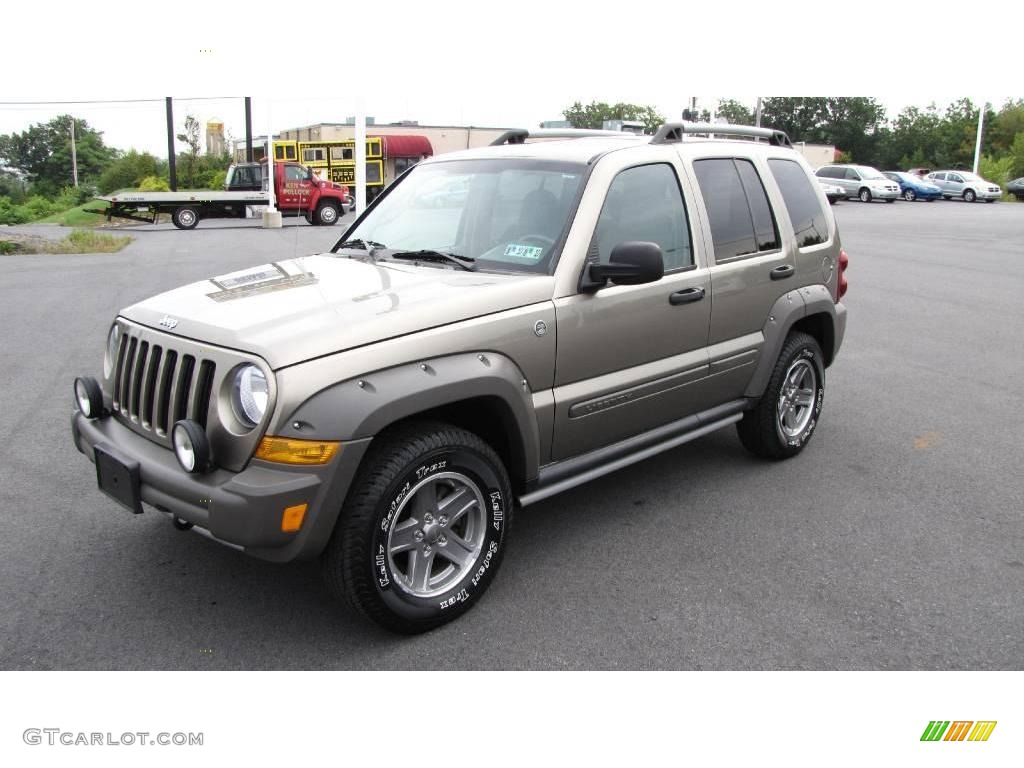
[(118, 477)]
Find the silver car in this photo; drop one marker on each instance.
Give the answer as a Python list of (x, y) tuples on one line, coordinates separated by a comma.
[(860, 181), (966, 185)]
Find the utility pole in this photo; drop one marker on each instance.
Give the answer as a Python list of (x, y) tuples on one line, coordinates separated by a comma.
[(74, 154), (171, 169), (977, 142), (248, 129)]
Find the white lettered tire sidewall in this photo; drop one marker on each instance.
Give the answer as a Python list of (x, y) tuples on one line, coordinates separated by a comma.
[(473, 583), (812, 355)]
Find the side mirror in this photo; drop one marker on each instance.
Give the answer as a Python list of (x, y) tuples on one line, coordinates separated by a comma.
[(631, 263)]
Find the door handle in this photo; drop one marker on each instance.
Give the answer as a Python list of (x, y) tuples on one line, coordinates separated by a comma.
[(780, 273), (686, 296)]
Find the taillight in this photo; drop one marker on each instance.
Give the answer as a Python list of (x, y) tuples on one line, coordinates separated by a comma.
[(844, 261)]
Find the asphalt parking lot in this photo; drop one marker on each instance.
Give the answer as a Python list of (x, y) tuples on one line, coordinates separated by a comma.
[(895, 541)]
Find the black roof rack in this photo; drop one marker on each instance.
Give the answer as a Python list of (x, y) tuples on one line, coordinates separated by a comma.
[(520, 135), (672, 132)]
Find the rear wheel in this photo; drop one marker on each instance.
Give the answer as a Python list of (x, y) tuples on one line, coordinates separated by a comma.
[(423, 528), (784, 418), (969, 196), (909, 195), (865, 195), (185, 217)]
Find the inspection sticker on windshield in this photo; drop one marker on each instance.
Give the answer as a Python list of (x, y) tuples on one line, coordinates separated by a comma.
[(530, 252)]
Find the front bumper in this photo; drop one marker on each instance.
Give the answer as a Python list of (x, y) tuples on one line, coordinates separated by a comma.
[(242, 509)]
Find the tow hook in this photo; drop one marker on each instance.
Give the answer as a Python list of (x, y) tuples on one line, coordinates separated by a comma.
[(181, 525)]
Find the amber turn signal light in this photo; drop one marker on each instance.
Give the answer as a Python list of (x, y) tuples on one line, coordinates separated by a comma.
[(286, 450), (292, 517)]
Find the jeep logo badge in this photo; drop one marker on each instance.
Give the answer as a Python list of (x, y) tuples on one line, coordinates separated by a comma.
[(168, 322), (540, 327)]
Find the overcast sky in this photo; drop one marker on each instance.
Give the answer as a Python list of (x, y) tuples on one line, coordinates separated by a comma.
[(457, 62)]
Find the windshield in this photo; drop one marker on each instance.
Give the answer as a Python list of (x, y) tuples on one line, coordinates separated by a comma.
[(869, 173), (507, 213)]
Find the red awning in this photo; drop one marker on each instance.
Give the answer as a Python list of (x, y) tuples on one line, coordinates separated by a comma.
[(406, 146)]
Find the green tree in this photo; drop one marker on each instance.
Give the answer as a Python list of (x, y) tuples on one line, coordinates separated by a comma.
[(191, 138), (43, 151), (735, 112), (850, 123), (595, 113)]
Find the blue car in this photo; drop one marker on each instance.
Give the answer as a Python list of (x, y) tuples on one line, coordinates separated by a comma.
[(914, 187)]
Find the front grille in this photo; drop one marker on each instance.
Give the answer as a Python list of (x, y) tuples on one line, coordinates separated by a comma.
[(159, 378), (155, 386)]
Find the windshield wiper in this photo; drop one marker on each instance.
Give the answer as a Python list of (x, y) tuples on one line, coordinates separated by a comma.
[(364, 245), (466, 262)]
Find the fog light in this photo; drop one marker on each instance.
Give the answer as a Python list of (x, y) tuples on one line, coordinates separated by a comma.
[(88, 397), (190, 446)]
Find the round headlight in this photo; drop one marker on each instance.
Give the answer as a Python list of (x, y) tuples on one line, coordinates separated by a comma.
[(250, 395), (110, 358), (190, 446)]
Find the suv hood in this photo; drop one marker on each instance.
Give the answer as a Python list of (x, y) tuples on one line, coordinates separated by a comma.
[(295, 310)]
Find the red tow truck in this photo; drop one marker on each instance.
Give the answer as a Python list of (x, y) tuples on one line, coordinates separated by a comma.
[(297, 190)]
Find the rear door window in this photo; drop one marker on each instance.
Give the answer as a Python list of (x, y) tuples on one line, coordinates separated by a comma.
[(802, 204), (741, 218)]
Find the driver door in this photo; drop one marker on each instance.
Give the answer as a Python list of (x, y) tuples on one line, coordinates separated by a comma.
[(628, 354)]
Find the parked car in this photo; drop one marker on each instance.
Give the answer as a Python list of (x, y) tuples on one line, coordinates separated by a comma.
[(389, 405), (832, 192), (1016, 188), (860, 181), (965, 185), (913, 187)]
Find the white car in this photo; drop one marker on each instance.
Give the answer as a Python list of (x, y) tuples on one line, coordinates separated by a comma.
[(860, 181), (966, 185)]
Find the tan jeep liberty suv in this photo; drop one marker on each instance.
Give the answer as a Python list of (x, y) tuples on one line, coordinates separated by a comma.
[(500, 325)]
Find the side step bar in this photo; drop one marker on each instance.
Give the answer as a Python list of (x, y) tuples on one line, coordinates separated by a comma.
[(569, 473)]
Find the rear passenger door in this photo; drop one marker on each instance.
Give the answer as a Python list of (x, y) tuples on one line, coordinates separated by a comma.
[(750, 270)]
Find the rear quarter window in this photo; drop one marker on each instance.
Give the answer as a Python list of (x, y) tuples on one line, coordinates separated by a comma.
[(809, 223)]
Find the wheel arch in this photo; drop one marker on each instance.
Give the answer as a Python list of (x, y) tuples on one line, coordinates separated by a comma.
[(483, 392), (810, 309)]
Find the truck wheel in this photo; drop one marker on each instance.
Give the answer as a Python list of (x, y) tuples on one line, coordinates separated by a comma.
[(185, 217), (865, 195), (422, 531), (785, 416), (327, 215)]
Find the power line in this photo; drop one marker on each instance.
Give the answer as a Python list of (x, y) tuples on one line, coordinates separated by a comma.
[(112, 101)]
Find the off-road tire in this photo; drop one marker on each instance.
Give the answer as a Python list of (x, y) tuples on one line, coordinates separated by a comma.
[(356, 566), (185, 217), (864, 195), (759, 429)]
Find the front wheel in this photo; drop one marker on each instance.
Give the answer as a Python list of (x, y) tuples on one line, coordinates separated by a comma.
[(865, 195), (909, 195), (326, 214), (969, 196), (784, 418), (423, 528)]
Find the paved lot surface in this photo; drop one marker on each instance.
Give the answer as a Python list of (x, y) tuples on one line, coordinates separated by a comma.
[(895, 541)]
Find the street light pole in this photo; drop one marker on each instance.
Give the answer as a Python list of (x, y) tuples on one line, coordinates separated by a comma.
[(977, 141)]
